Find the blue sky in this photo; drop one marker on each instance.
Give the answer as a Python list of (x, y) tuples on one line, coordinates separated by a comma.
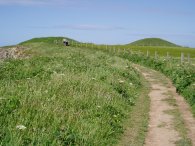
[(98, 21)]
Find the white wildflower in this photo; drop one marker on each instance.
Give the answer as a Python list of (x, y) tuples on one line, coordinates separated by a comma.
[(61, 74), (2, 98), (130, 84), (121, 81), (20, 127), (98, 106)]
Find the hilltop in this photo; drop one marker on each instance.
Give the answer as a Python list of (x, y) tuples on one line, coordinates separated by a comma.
[(142, 42), (153, 42), (47, 40)]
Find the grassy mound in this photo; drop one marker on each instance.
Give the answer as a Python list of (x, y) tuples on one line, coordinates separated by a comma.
[(65, 96), (49, 40), (153, 42)]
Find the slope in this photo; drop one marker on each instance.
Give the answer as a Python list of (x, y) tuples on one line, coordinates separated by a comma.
[(65, 96), (153, 42)]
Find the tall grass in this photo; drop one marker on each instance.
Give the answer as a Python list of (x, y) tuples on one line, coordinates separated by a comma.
[(182, 75), (65, 96)]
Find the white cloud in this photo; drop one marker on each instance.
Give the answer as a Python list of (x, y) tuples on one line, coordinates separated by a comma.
[(162, 34), (83, 27), (89, 27), (37, 2)]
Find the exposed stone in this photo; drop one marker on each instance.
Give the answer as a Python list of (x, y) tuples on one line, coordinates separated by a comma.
[(13, 52)]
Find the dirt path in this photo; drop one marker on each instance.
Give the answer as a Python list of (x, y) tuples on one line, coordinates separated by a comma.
[(171, 122)]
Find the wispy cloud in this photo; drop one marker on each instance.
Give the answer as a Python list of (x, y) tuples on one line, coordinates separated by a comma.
[(83, 27), (162, 34), (37, 2), (157, 10), (89, 27)]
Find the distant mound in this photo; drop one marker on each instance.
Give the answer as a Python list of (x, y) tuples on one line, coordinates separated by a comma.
[(49, 40), (153, 42)]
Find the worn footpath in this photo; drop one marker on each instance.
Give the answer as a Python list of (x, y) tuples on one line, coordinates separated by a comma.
[(171, 121)]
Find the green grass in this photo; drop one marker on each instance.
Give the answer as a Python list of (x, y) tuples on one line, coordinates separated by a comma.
[(162, 48), (65, 96), (48, 40), (153, 42), (136, 126), (171, 101), (162, 51), (181, 75), (82, 94)]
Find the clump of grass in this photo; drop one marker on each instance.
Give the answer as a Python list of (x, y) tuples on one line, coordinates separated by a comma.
[(171, 101), (180, 127), (179, 124)]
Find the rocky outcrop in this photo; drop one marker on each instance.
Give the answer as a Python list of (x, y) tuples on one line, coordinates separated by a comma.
[(13, 52)]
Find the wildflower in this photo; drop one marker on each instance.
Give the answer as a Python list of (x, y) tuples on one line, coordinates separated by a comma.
[(115, 116), (61, 74), (54, 72), (98, 106), (120, 81), (20, 127)]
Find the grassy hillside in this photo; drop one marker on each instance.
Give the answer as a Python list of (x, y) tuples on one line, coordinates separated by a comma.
[(153, 42), (48, 40), (173, 52), (66, 96), (182, 75), (162, 51)]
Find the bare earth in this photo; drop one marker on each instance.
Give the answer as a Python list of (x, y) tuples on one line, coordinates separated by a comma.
[(161, 130)]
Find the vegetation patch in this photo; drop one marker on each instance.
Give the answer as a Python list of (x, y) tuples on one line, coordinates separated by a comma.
[(153, 42), (180, 127), (65, 96), (182, 76), (136, 126), (171, 101)]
